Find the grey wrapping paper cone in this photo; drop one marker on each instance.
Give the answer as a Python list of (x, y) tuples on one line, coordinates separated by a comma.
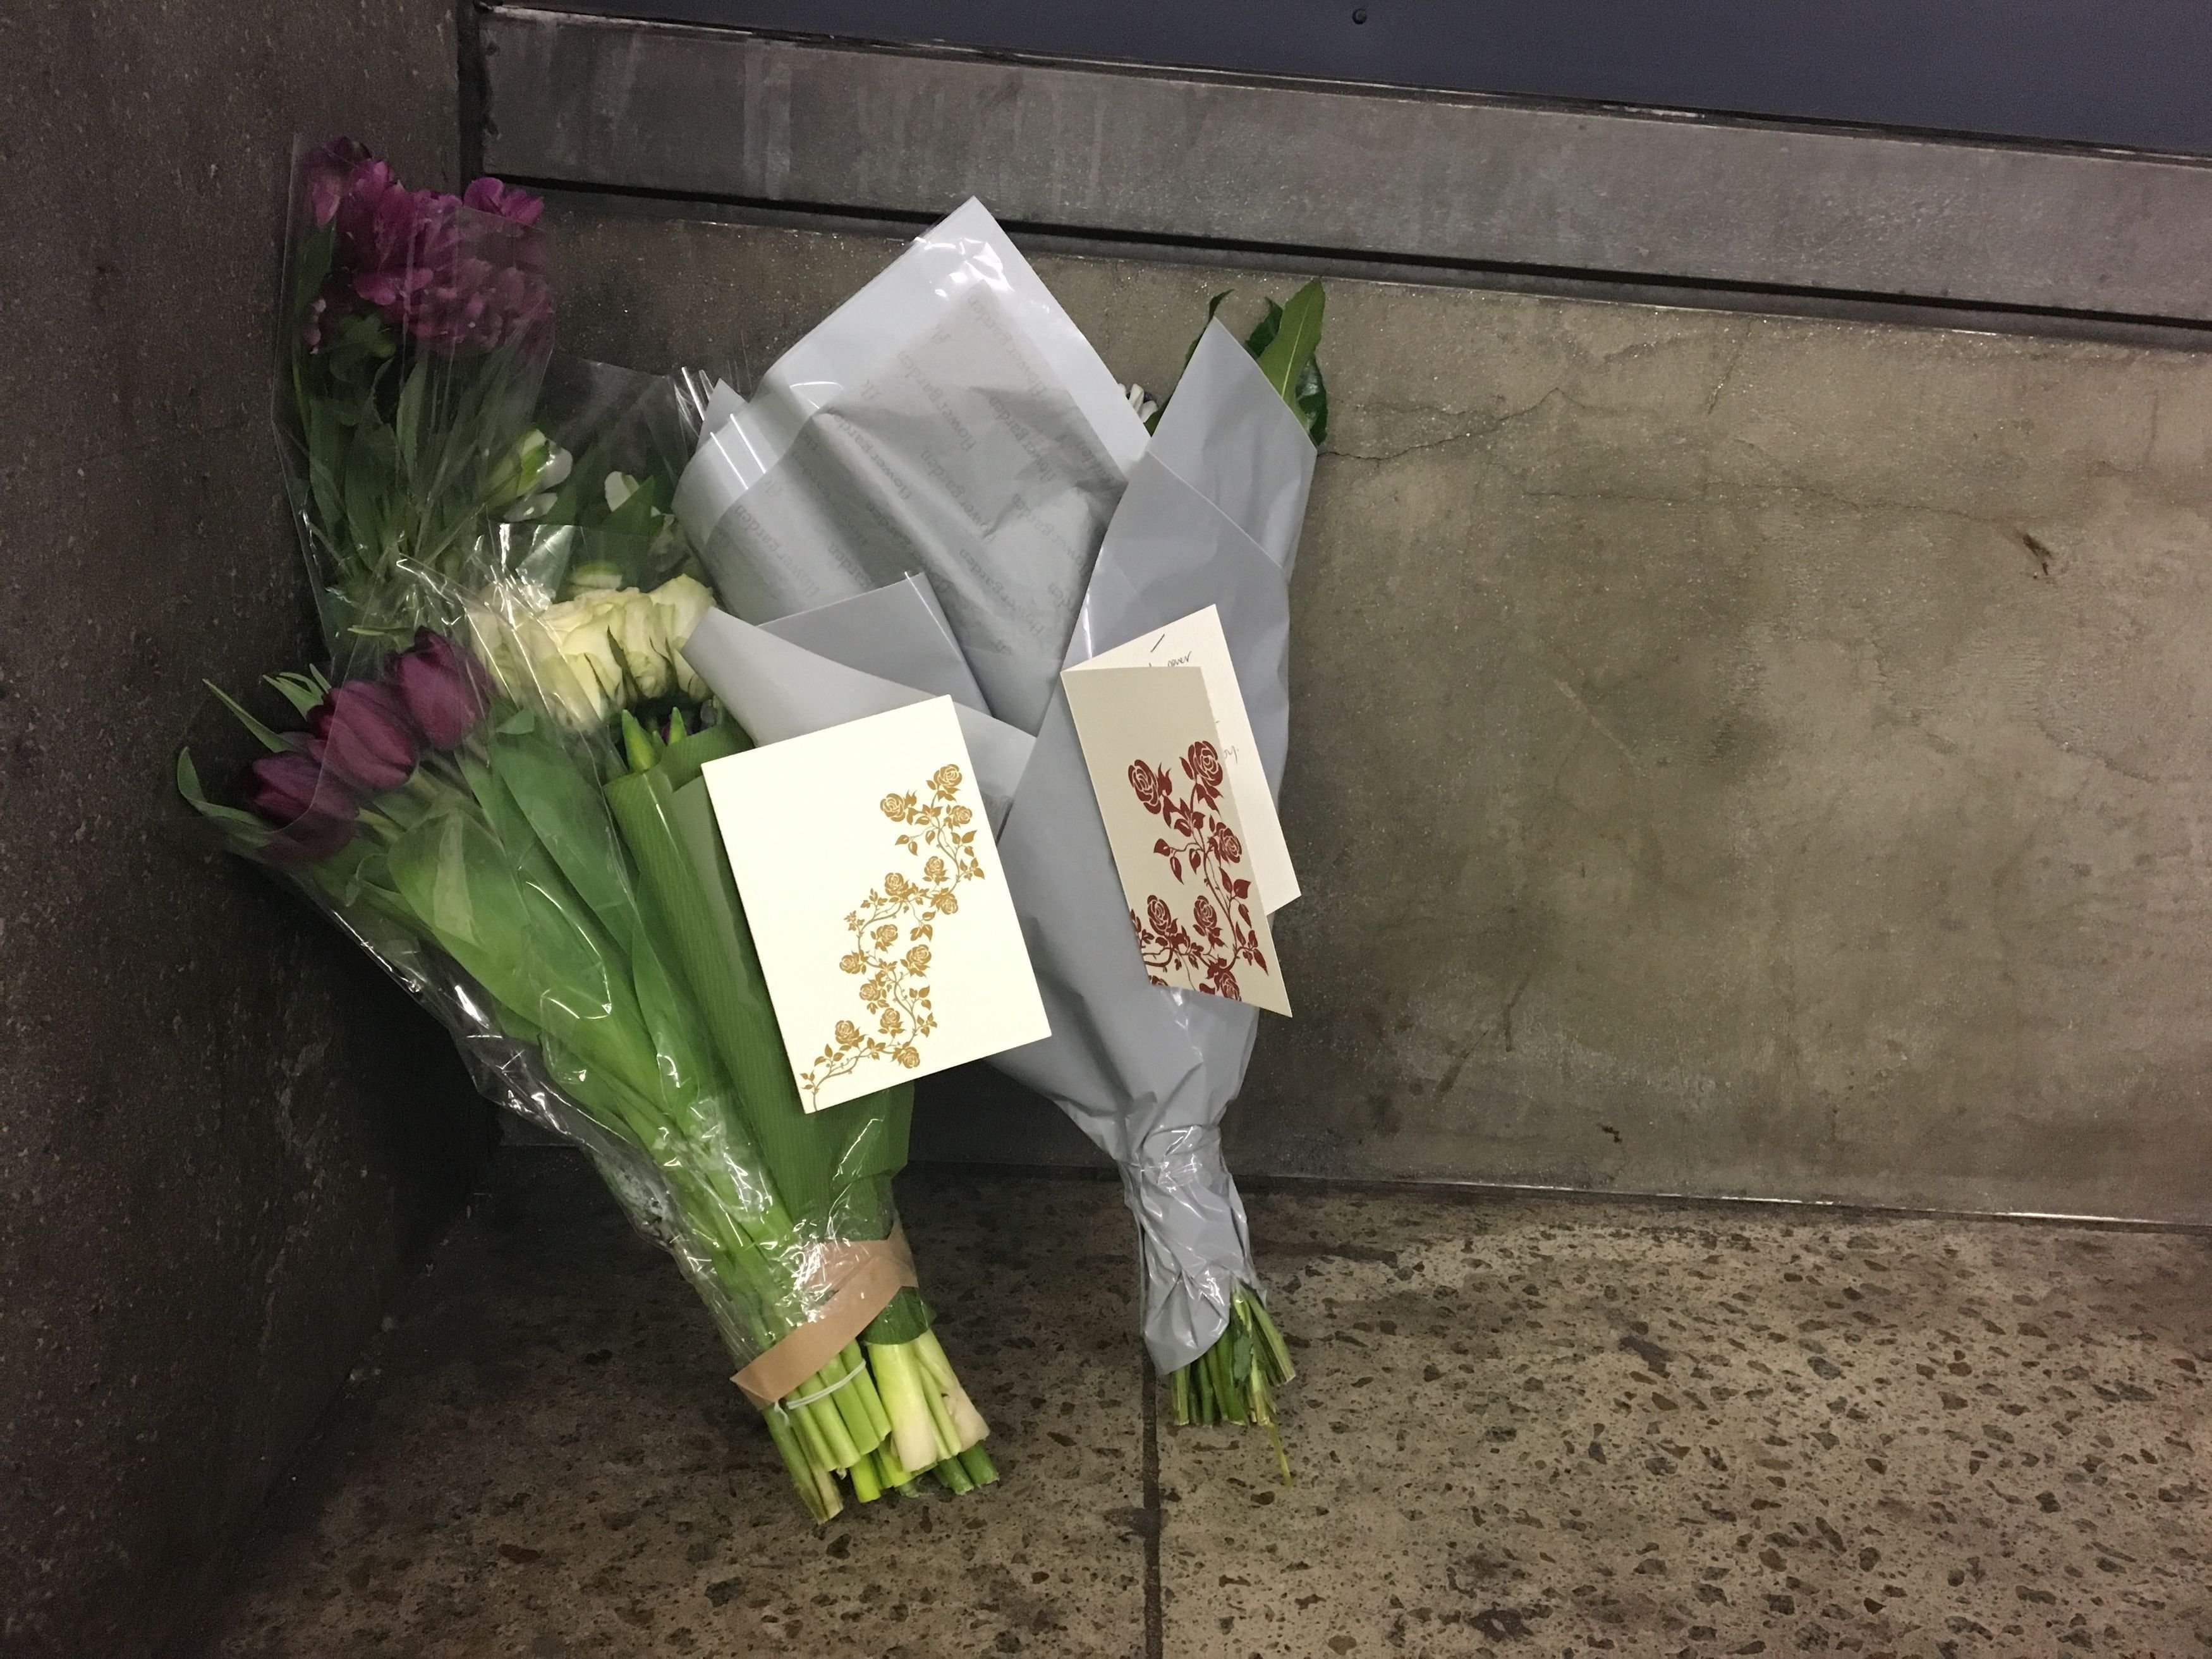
[(950, 418), (776, 688), (1211, 517)]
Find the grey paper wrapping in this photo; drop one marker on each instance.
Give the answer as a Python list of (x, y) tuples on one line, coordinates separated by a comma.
[(776, 687), (1211, 517), (895, 633), (948, 418)]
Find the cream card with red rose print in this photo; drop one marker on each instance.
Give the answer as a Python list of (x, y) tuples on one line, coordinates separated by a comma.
[(877, 902), (1173, 819), (1197, 642)]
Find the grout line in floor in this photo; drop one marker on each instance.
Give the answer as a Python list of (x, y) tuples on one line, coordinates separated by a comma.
[(1155, 1609)]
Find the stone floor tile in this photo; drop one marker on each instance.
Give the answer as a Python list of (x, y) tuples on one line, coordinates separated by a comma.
[(553, 1463), (1569, 1427), (1521, 1426)]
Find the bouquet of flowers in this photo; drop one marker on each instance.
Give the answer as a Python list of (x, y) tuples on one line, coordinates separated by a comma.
[(495, 790), (942, 491)]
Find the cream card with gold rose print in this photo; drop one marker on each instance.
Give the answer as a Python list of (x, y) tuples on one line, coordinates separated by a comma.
[(1178, 828), (877, 902)]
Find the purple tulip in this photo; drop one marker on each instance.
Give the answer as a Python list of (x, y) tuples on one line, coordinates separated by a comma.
[(323, 174), (311, 815), (361, 733), (443, 688)]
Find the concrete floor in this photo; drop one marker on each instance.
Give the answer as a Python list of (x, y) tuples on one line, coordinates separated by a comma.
[(1522, 1426)]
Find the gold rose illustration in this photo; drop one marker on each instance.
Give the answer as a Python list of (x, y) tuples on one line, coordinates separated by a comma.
[(892, 933)]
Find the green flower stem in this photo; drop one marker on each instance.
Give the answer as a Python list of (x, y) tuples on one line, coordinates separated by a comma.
[(809, 1429), (968, 1425), (893, 1473), (898, 1380), (980, 1469), (1239, 1378), (845, 1398), (797, 1464), (948, 1438), (866, 1486), (955, 1478), (879, 1421)]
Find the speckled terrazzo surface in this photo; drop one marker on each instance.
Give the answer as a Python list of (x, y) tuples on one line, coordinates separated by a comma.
[(1523, 1426)]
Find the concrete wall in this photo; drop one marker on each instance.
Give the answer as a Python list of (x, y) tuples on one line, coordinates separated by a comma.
[(1730, 755), (222, 1137)]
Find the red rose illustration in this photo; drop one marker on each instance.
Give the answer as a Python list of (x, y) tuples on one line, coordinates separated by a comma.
[(1204, 848), (1151, 787), (1203, 764)]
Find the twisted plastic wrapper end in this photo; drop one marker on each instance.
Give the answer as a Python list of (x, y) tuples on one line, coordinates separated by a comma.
[(1192, 1249)]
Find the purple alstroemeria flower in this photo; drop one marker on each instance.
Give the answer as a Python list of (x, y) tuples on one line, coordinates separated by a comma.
[(323, 174), (479, 307), (488, 287), (488, 195), (361, 733), (391, 240), (310, 815), (441, 685), (461, 274)]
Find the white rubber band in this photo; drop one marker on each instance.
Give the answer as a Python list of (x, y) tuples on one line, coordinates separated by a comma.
[(822, 1394)]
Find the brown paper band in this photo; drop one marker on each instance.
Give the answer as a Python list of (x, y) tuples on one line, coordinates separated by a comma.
[(867, 1275)]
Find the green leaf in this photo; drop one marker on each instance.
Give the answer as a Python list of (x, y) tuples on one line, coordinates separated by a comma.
[(1297, 335), (407, 422), (328, 438), (1311, 398), (268, 739), (638, 515), (302, 693), (568, 816), (682, 761), (529, 946), (188, 786), (364, 334), (1265, 331), (1303, 389), (310, 269)]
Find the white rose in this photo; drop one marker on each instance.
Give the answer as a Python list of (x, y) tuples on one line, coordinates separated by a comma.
[(639, 630), (683, 603), (574, 659)]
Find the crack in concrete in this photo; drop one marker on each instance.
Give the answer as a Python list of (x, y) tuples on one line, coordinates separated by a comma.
[(1482, 428)]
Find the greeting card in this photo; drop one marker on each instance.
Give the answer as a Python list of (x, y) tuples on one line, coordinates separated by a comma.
[(877, 902), (1197, 642), (1178, 828)]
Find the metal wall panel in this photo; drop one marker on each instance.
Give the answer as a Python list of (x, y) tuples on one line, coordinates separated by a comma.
[(2081, 72), (1451, 180)]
